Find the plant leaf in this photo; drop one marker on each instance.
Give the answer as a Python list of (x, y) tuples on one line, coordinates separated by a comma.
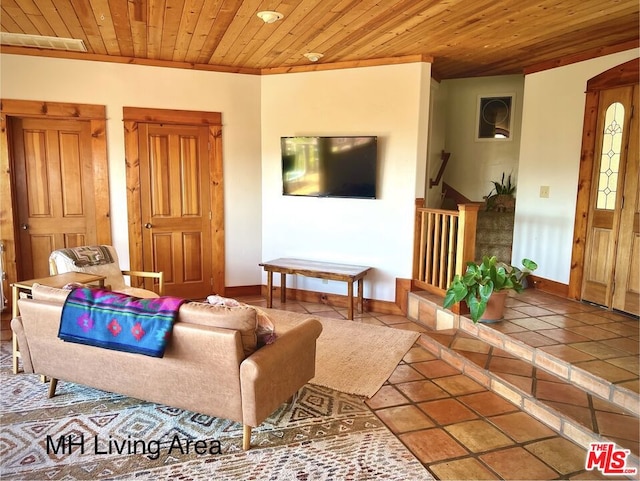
[(485, 291), (476, 308)]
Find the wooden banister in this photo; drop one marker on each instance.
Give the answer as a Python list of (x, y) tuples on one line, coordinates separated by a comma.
[(444, 241), (444, 157)]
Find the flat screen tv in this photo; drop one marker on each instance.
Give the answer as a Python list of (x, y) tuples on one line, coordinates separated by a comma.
[(329, 166)]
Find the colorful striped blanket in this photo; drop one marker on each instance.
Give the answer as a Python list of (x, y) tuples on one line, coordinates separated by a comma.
[(112, 320)]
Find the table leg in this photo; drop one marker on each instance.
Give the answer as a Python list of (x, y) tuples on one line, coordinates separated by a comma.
[(361, 295), (283, 287), (269, 289), (350, 298)]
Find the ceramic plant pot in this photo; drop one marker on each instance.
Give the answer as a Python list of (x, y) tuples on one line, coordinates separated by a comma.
[(495, 307)]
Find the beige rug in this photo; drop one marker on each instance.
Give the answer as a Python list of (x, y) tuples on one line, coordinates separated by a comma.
[(356, 358)]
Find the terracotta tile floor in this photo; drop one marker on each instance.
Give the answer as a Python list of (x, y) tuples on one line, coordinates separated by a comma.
[(461, 430)]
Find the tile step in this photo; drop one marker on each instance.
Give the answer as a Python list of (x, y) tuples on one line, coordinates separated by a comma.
[(584, 408), (427, 310)]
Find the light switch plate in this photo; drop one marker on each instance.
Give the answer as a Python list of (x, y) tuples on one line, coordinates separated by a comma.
[(544, 191)]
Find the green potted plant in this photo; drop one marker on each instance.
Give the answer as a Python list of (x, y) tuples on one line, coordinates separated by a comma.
[(482, 282), (501, 197)]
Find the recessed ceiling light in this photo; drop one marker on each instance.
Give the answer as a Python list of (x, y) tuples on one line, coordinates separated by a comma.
[(39, 41), (269, 16), (313, 56)]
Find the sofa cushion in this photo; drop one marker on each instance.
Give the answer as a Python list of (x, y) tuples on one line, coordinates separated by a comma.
[(242, 318), (266, 331), (46, 293)]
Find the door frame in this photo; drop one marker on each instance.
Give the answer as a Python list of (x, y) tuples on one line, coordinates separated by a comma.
[(213, 120), (96, 116), (619, 76)]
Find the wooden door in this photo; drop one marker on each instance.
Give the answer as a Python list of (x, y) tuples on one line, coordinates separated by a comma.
[(626, 293), (54, 185), (175, 207), (612, 260)]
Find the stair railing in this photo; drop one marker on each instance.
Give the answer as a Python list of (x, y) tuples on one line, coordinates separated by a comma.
[(444, 241), (444, 157)]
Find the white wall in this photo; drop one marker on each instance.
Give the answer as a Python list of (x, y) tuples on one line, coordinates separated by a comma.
[(437, 138), (553, 114), (474, 164), (387, 101), (116, 85)]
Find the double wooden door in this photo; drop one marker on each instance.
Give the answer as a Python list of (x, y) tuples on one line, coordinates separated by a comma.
[(612, 261)]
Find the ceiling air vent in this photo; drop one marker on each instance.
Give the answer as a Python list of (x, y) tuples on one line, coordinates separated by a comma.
[(38, 41)]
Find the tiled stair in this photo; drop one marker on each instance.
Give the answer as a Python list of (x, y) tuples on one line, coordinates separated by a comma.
[(542, 378)]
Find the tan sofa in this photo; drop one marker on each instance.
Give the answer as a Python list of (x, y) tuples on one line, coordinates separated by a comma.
[(210, 366)]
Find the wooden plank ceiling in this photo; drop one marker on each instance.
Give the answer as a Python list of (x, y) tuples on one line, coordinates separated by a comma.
[(463, 38)]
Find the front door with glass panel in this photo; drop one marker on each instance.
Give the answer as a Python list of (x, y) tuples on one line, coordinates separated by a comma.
[(612, 261)]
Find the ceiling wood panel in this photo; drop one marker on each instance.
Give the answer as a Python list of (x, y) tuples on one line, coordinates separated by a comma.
[(465, 38), (52, 14)]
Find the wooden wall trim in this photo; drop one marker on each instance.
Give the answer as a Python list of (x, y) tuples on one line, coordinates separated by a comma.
[(52, 110), (7, 233), (317, 67), (549, 286), (618, 76), (176, 117), (584, 192), (14, 50), (35, 52), (240, 291), (134, 208), (216, 180)]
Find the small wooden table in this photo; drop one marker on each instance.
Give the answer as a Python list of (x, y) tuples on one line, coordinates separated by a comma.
[(322, 270), (59, 281)]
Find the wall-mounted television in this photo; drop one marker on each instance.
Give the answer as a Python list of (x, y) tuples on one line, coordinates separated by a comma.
[(330, 166)]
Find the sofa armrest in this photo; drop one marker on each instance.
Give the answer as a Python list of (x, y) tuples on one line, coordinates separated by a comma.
[(274, 373), (18, 330)]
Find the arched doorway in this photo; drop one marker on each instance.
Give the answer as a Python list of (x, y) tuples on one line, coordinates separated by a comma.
[(606, 255)]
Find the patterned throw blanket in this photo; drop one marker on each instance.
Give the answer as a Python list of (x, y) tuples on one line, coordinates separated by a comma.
[(86, 256), (112, 320)]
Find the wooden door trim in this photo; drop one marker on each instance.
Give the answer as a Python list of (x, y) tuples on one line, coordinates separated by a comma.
[(619, 76), (132, 116), (96, 116), (183, 117)]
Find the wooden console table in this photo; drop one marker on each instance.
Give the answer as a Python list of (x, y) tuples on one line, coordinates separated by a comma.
[(322, 270), (59, 281)]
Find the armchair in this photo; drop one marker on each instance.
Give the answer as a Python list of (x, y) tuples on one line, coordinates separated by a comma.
[(103, 260)]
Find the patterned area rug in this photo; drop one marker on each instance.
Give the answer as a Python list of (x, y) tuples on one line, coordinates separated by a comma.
[(323, 435)]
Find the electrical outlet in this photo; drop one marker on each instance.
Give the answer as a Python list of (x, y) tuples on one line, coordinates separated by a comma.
[(544, 191)]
